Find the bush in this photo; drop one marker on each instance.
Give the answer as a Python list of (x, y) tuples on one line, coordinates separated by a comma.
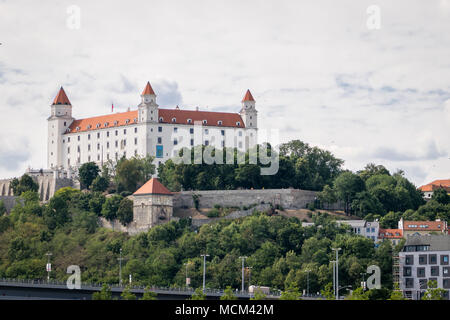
[(125, 211), (196, 199), (100, 184), (311, 206), (110, 207), (213, 213), (217, 206)]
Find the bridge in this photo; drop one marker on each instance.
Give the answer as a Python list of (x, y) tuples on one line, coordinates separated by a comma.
[(18, 289)]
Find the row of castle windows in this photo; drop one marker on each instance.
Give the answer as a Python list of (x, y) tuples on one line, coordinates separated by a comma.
[(219, 122), (106, 124), (123, 143), (98, 157), (98, 135)]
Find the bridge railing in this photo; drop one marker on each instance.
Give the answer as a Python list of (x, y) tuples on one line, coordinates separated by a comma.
[(86, 285)]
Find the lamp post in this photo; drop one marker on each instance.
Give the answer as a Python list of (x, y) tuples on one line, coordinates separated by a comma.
[(337, 271), (48, 266), (204, 270), (363, 284), (120, 267), (307, 286), (334, 276), (187, 282), (249, 276), (243, 258)]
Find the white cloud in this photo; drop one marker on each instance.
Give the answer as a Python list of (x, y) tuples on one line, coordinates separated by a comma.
[(314, 68)]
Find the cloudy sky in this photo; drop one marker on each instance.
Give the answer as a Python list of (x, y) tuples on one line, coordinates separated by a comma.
[(317, 71)]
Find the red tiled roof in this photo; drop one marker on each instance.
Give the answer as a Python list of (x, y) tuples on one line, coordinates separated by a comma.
[(152, 186), (180, 116), (61, 98), (436, 184), (424, 225), (391, 233), (248, 96), (148, 89)]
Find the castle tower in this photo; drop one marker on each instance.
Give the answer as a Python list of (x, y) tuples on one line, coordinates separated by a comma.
[(248, 111), (58, 122), (148, 109)]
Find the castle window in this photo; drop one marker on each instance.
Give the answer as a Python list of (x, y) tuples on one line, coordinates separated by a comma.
[(240, 133), (88, 126), (175, 129), (98, 125), (161, 119), (191, 130), (106, 124), (250, 117), (251, 124), (107, 133), (64, 140), (135, 120), (159, 129), (78, 128), (206, 131), (223, 144), (117, 132), (206, 142), (222, 132), (89, 158), (204, 121), (68, 162), (107, 145), (159, 140), (174, 119), (89, 147), (98, 157), (219, 122), (68, 139), (116, 122), (192, 142), (98, 146), (238, 123), (135, 140), (127, 121), (78, 138), (107, 156), (117, 143), (64, 123), (98, 135), (124, 131), (78, 148), (189, 120), (135, 152), (175, 142), (89, 136), (135, 130), (240, 144)]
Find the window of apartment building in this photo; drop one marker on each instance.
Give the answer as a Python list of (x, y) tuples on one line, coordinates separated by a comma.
[(159, 140), (372, 230), (206, 143), (135, 130), (446, 284), (446, 272), (423, 283), (435, 271), (422, 259), (135, 140), (175, 141), (409, 260), (367, 230), (191, 130), (409, 282), (406, 271), (420, 272), (432, 259), (159, 129), (444, 259)]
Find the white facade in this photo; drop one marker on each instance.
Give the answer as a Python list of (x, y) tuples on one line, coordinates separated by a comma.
[(364, 228), (147, 130)]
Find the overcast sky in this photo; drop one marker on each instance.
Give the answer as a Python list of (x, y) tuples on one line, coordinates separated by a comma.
[(315, 69)]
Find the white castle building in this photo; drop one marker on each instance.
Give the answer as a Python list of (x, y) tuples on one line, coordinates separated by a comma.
[(146, 130)]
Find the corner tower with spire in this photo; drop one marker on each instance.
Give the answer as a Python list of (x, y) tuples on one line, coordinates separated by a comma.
[(58, 122), (248, 111), (148, 108)]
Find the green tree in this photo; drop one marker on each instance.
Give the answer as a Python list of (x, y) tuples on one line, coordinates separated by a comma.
[(347, 185), (25, 183), (127, 294), (104, 294), (327, 292), (433, 292), (125, 211), (2, 208), (228, 294), (198, 295), (258, 295), (110, 207), (372, 169), (358, 294), (87, 173), (396, 294), (100, 184), (290, 293), (149, 295), (441, 196)]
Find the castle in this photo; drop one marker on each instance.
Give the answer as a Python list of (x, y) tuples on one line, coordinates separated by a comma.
[(148, 130)]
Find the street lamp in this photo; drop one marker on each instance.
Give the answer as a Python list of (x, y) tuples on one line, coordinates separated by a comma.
[(243, 258), (334, 276), (48, 266), (307, 287), (337, 271), (249, 276), (120, 267), (204, 269)]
